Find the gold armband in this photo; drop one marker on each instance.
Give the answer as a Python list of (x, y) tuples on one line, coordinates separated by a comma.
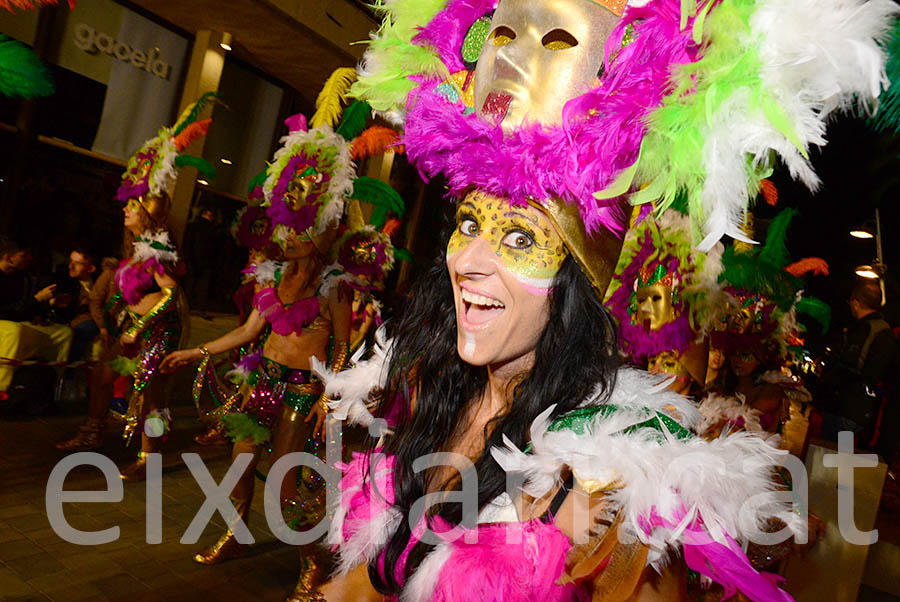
[(340, 356), (150, 318)]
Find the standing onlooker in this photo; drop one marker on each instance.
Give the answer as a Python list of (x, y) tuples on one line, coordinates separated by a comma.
[(859, 366), (201, 249)]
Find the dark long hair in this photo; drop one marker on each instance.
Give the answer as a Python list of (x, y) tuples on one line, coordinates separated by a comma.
[(575, 353)]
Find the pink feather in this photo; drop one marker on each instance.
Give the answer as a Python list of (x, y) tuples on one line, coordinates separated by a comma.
[(601, 133)]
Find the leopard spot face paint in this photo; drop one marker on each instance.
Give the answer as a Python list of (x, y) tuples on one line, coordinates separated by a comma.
[(523, 238)]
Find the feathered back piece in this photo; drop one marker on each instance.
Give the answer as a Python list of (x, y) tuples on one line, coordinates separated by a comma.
[(693, 100), (154, 167), (329, 103), (660, 250), (763, 294), (375, 140), (22, 74)]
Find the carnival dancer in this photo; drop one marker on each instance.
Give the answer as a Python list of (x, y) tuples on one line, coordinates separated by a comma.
[(757, 325), (149, 314), (364, 258), (661, 295), (252, 228), (305, 189), (506, 356)]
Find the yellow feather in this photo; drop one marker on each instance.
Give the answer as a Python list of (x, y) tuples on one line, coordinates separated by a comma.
[(333, 94)]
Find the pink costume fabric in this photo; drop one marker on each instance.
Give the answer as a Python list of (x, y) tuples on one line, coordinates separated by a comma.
[(510, 561), (286, 320), (135, 279)]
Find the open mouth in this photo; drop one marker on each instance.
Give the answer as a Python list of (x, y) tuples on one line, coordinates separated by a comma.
[(479, 309), (496, 104)]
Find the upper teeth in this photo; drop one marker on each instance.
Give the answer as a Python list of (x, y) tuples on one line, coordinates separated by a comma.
[(470, 297)]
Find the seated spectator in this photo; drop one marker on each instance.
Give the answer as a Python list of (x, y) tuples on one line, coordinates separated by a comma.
[(21, 339), (82, 267)]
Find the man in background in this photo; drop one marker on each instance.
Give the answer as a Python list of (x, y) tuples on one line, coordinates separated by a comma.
[(860, 367)]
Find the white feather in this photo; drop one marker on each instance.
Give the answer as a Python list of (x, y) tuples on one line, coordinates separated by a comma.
[(143, 249), (422, 583), (713, 479), (265, 272), (342, 176), (717, 408), (349, 390)]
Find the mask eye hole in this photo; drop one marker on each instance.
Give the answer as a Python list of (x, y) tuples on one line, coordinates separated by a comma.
[(559, 39), (502, 36)]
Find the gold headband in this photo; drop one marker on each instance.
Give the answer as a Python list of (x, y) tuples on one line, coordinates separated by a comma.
[(596, 254)]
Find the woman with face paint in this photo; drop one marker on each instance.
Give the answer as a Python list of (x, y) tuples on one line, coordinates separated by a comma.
[(298, 316), (148, 314), (562, 475)]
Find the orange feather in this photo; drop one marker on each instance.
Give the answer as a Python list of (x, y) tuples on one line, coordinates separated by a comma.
[(191, 133), (815, 265), (375, 141)]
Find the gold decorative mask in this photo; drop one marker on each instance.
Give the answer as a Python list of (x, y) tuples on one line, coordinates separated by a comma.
[(669, 362), (537, 57), (654, 306), (299, 189)]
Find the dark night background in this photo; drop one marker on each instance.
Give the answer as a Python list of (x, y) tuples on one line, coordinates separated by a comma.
[(860, 170)]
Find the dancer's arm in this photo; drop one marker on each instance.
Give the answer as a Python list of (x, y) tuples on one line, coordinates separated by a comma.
[(243, 334), (168, 286), (339, 306)]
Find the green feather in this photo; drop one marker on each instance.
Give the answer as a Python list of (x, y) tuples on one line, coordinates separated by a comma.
[(22, 74), (123, 365), (258, 180), (202, 165), (888, 116), (775, 251), (402, 254), (354, 120), (190, 117), (816, 309), (240, 427), (376, 192), (396, 57)]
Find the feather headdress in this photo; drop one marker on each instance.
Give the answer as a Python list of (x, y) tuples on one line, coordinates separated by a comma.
[(762, 294), (154, 167), (694, 100), (660, 250), (308, 181)]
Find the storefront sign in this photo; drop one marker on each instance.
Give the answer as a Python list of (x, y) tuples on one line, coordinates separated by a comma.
[(92, 42)]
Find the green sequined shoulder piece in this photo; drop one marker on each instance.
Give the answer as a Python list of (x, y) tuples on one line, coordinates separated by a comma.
[(578, 420)]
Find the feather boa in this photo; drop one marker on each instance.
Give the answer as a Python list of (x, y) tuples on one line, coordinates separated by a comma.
[(680, 480), (364, 518), (152, 253), (715, 409)]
